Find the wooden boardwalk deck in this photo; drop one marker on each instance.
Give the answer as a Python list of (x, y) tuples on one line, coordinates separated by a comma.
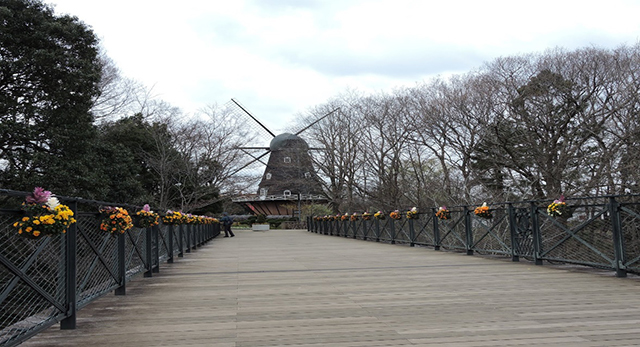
[(294, 288)]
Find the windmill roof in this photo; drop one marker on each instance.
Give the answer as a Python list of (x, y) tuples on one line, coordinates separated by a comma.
[(287, 140)]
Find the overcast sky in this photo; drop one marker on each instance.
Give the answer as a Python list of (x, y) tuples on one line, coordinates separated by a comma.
[(281, 57)]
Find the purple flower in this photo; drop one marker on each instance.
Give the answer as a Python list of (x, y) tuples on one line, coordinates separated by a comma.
[(39, 196), (146, 208)]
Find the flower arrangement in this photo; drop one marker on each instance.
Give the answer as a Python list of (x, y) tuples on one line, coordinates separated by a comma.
[(345, 216), (379, 215), (483, 211), (336, 217), (366, 216), (146, 218), (44, 215), (395, 214), (115, 220), (443, 213), (412, 213), (558, 208), (173, 218), (354, 217)]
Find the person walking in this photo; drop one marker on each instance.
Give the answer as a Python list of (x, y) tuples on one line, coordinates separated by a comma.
[(226, 223)]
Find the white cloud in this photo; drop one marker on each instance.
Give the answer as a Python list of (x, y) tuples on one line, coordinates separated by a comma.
[(282, 57)]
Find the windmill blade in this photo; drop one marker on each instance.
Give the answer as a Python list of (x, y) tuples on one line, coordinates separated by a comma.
[(252, 117), (254, 157), (312, 124), (251, 162)]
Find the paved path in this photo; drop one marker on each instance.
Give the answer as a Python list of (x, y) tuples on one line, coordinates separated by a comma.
[(294, 288)]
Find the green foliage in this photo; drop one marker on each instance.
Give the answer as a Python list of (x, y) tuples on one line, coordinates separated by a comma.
[(124, 149), (261, 218), (315, 210), (49, 74)]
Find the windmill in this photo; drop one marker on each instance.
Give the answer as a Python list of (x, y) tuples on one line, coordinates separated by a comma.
[(289, 177)]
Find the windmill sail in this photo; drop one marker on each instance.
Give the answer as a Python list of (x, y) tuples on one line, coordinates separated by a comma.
[(289, 175)]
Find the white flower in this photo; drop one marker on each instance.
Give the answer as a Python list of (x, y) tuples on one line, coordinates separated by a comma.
[(52, 202)]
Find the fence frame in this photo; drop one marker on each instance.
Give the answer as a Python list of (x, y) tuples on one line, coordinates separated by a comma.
[(112, 256)]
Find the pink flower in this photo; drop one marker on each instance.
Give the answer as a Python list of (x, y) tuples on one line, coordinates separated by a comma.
[(146, 208), (39, 196), (559, 201)]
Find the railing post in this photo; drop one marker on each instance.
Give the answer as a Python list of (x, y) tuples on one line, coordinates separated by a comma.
[(468, 230), (193, 232), (354, 227), (436, 231), (537, 237), (365, 230), (122, 269), (393, 231), (71, 252), (513, 229), (618, 239), (412, 233), (148, 253), (156, 258), (180, 241), (170, 245), (187, 248), (377, 230)]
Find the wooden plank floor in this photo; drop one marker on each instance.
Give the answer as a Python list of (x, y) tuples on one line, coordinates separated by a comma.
[(294, 288)]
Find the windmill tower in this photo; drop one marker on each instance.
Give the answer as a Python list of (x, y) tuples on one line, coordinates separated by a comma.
[(289, 178)]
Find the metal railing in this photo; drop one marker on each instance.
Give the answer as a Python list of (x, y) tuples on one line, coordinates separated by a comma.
[(47, 280), (601, 232)]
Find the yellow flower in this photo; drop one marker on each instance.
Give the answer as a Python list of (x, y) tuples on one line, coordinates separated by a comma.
[(25, 219), (36, 233)]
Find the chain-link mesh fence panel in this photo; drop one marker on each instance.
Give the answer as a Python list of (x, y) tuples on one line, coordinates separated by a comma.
[(630, 225), (452, 231), (135, 250), (359, 229), (368, 229), (403, 234), (423, 228), (173, 231), (584, 236), (96, 259), (32, 280), (492, 236), (164, 242), (387, 229)]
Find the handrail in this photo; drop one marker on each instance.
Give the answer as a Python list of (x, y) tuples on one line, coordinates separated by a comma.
[(602, 233), (46, 280)]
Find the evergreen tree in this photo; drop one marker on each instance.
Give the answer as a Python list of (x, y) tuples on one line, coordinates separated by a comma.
[(49, 74)]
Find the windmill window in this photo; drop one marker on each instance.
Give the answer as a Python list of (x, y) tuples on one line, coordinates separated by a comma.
[(268, 175), (307, 175), (287, 160), (263, 191), (287, 193)]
